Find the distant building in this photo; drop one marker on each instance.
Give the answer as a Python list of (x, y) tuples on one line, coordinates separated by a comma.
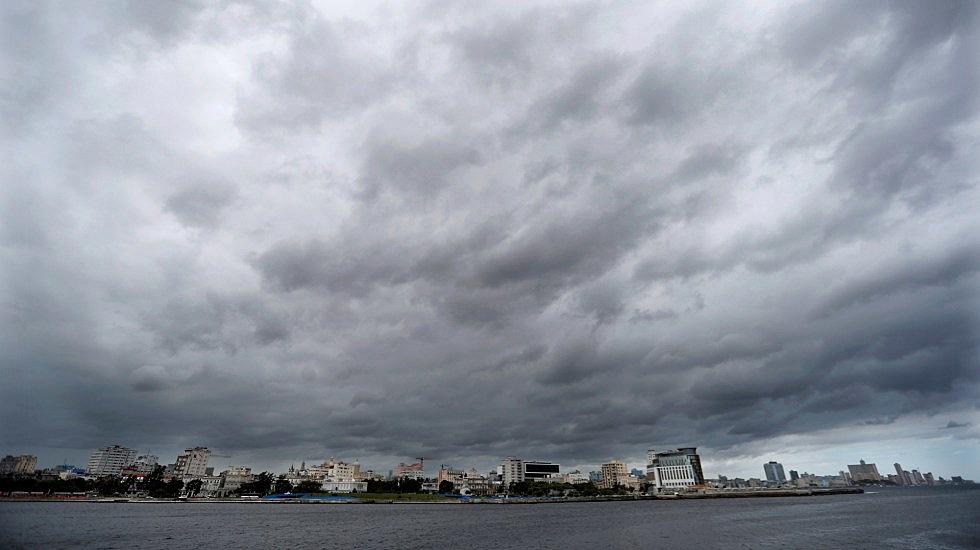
[(109, 461), (575, 476), (348, 486), (929, 479), (675, 468), (511, 470), (614, 473), (864, 472), (595, 476), (143, 465), (794, 475), (919, 480), (232, 479), (774, 472), (899, 474), (411, 471), (22, 464), (540, 471), (192, 463)]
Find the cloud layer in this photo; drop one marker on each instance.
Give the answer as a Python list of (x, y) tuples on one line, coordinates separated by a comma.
[(568, 231)]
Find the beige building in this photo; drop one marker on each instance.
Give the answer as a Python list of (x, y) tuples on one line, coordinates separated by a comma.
[(192, 463), (23, 464), (864, 472), (614, 473)]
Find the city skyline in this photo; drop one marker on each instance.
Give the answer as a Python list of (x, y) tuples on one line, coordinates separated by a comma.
[(565, 230)]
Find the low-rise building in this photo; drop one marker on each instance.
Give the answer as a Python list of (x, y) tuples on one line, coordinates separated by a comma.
[(674, 469), (347, 486)]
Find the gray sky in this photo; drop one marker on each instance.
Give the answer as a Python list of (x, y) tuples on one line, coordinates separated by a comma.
[(567, 231)]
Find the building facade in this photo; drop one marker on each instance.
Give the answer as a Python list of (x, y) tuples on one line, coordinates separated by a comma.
[(192, 463), (411, 471), (109, 461), (864, 472), (511, 470), (22, 464), (774, 472), (614, 473), (675, 468)]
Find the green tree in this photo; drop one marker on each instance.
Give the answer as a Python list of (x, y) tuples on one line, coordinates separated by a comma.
[(108, 486), (194, 487), (309, 486), (446, 486), (173, 488), (283, 485)]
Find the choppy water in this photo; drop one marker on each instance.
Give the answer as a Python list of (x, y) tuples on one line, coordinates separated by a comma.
[(891, 518)]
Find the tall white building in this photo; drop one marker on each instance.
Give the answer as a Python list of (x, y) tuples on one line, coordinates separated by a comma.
[(511, 470), (109, 461), (192, 462), (675, 468)]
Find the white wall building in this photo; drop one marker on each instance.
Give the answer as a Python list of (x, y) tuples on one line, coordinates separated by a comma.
[(511, 470), (109, 461), (349, 486), (192, 463), (674, 469)]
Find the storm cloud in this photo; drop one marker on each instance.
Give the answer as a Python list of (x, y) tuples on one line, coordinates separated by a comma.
[(562, 231)]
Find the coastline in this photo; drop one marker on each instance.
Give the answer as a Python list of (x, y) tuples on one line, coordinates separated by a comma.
[(764, 493)]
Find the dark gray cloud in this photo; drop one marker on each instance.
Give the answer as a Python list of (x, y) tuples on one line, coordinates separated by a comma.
[(453, 231)]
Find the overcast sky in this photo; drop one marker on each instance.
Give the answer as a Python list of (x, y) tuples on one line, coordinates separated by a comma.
[(566, 231)]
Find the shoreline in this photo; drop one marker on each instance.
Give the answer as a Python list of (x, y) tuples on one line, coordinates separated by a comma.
[(765, 493)]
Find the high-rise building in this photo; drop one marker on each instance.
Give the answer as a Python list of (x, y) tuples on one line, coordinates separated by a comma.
[(919, 480), (109, 461), (192, 462), (794, 475), (511, 470), (674, 468), (23, 464), (929, 479), (864, 472), (899, 474), (614, 473), (774, 472)]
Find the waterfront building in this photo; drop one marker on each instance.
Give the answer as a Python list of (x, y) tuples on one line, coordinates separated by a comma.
[(192, 463), (411, 471), (109, 461), (233, 478), (674, 468), (899, 474), (794, 475), (575, 476), (595, 476), (614, 473), (774, 472), (535, 470), (143, 465), (919, 480), (210, 485), (345, 486), (331, 469), (22, 464), (864, 472), (511, 470), (929, 479)]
